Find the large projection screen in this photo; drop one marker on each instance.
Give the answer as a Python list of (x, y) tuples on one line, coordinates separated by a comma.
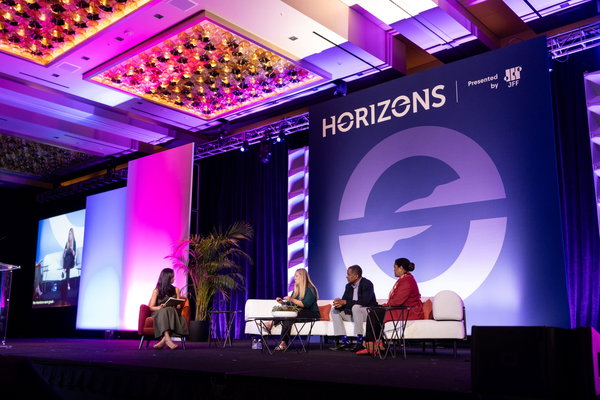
[(58, 266)]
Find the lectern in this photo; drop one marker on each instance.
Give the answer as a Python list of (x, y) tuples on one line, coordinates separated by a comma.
[(6, 271)]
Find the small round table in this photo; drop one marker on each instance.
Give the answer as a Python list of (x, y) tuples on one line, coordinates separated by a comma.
[(223, 337), (394, 337), (296, 336)]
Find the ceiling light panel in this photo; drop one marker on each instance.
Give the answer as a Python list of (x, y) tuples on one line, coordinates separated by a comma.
[(390, 11), (434, 30), (540, 7), (205, 68), (43, 30)]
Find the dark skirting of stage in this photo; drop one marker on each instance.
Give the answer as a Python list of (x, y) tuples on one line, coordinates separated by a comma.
[(116, 369)]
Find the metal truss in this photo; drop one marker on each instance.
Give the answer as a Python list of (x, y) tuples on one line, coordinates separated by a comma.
[(266, 132), (573, 41)]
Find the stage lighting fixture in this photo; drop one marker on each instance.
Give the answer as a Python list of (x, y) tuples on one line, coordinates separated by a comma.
[(224, 130), (206, 67), (244, 146), (280, 137), (264, 153), (341, 88)]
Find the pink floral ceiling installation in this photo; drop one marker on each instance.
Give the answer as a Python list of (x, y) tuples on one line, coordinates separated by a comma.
[(205, 69), (43, 30)]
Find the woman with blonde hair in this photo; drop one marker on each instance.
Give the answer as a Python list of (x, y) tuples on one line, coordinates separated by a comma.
[(69, 257), (304, 296)]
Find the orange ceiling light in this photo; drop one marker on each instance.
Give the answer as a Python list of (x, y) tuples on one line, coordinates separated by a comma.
[(204, 68), (43, 30)]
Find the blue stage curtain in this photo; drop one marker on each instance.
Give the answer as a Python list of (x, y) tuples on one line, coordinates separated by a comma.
[(237, 186), (580, 220)]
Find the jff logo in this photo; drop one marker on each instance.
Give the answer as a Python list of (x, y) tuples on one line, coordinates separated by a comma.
[(513, 75)]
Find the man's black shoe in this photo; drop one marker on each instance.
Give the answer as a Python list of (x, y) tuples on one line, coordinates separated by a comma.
[(340, 346)]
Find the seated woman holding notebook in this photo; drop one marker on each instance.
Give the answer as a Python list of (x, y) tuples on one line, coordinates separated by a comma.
[(167, 320)]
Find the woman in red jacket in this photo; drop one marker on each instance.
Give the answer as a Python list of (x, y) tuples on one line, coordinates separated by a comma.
[(404, 293)]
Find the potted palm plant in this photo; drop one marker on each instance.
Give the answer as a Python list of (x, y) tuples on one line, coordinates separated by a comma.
[(212, 263)]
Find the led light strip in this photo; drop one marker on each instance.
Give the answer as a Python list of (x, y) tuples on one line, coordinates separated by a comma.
[(297, 212)]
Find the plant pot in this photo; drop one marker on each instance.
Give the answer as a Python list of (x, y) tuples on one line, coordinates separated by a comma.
[(284, 314), (198, 331)]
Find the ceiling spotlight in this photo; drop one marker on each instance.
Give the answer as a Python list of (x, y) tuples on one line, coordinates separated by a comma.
[(244, 146), (224, 129), (280, 137), (341, 88)]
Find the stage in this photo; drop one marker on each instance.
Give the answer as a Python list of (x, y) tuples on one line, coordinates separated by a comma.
[(116, 369), (111, 369)]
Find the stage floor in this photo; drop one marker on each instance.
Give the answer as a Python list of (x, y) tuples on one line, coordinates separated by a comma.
[(55, 361)]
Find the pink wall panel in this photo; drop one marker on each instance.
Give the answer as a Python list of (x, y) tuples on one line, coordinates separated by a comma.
[(158, 216)]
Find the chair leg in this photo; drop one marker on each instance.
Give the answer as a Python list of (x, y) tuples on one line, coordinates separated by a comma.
[(141, 342), (183, 342)]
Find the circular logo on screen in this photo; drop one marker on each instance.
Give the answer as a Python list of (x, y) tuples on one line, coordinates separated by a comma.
[(478, 180)]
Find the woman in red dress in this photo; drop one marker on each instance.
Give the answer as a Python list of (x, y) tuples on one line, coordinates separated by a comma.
[(404, 293)]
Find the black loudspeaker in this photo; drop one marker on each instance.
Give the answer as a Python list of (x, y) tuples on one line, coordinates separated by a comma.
[(535, 361), (583, 363)]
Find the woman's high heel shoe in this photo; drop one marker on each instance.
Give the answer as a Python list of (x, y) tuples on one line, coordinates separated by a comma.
[(364, 352), (281, 347)]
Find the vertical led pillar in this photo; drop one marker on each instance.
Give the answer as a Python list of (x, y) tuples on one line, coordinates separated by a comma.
[(297, 212)]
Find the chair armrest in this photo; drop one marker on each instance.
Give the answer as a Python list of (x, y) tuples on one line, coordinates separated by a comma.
[(185, 310), (144, 313)]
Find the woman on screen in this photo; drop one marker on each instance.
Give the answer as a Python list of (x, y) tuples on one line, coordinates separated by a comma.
[(69, 255), (167, 321)]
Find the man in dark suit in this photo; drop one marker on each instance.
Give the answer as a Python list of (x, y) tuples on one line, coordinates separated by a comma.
[(358, 296)]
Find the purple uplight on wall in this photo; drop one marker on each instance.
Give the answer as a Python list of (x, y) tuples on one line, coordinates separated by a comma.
[(157, 218)]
